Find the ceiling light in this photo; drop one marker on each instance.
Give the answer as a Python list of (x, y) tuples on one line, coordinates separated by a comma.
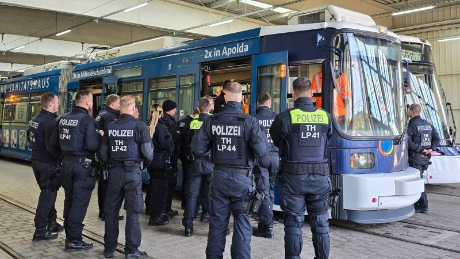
[(449, 39), (20, 47), (62, 32), (220, 23), (415, 10), (263, 6), (135, 7)]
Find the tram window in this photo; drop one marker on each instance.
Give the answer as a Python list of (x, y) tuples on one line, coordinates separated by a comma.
[(128, 72), (7, 114), (161, 89), (135, 89), (20, 103), (314, 73), (35, 105), (186, 95), (269, 80)]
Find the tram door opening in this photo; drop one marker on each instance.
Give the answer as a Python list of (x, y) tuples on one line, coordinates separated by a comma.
[(95, 87), (236, 70), (314, 73)]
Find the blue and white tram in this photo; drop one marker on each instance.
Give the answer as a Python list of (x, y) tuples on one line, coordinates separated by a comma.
[(426, 90), (21, 102), (368, 153)]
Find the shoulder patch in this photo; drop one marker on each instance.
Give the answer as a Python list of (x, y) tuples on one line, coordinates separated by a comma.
[(182, 124)]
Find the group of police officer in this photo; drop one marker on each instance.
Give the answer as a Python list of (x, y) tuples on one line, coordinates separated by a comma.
[(123, 146), (231, 161)]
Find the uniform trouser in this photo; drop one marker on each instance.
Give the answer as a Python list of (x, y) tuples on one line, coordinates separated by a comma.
[(78, 186), (102, 187), (172, 182), (46, 210), (297, 192), (227, 193), (128, 185), (194, 186), (422, 203), (158, 193), (264, 173), (185, 176)]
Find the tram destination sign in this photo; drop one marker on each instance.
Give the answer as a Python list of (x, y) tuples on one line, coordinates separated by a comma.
[(95, 72), (27, 85), (242, 48)]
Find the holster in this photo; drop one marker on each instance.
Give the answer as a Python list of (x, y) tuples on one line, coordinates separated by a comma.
[(258, 198), (335, 193)]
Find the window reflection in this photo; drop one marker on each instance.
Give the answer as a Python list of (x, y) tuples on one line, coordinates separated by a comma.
[(374, 105)]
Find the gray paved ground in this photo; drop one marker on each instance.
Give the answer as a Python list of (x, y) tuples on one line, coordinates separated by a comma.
[(16, 230)]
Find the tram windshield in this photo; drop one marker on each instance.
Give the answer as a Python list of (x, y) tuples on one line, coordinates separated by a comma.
[(368, 97), (426, 91)]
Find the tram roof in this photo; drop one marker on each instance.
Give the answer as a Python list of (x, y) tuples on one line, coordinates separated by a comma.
[(228, 38), (32, 76), (412, 39)]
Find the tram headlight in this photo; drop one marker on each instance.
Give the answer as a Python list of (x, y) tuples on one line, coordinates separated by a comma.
[(362, 160)]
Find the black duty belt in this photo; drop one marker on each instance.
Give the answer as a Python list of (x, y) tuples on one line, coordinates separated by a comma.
[(74, 158), (122, 164), (207, 158), (245, 172), (321, 168)]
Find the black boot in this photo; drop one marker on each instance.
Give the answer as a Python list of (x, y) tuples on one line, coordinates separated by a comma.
[(199, 210), (188, 232), (204, 217), (263, 230), (172, 213), (77, 245), (159, 221), (108, 254), (136, 255), (43, 234), (55, 227)]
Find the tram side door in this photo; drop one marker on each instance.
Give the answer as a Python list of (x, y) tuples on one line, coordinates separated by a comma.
[(187, 83), (269, 72), (72, 89), (109, 86)]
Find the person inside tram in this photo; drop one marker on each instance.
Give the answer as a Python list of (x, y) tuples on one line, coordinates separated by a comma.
[(342, 92)]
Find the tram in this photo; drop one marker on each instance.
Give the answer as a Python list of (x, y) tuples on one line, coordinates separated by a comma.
[(368, 152), (426, 90), (21, 102)]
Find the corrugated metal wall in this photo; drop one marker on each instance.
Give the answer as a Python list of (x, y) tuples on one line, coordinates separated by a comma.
[(438, 24)]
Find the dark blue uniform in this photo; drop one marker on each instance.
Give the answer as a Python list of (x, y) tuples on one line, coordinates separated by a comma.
[(198, 180), (156, 203), (302, 135), (422, 135), (103, 118), (219, 103), (79, 140), (125, 146), (173, 128), (184, 127), (264, 173), (234, 140), (44, 142)]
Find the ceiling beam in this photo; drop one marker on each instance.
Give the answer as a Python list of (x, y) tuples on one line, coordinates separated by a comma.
[(32, 59), (219, 3)]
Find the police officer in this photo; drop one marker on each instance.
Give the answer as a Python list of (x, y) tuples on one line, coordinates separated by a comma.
[(45, 156), (423, 139), (126, 145), (302, 135), (234, 139), (163, 146), (266, 169), (169, 110), (79, 139), (200, 173), (184, 128), (219, 103), (110, 113)]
